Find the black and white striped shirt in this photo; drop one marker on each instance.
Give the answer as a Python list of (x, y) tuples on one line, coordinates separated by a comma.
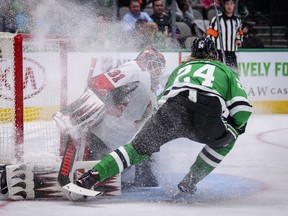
[(231, 31)]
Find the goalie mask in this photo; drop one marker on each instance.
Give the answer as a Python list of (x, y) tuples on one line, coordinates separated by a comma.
[(203, 48), (152, 61)]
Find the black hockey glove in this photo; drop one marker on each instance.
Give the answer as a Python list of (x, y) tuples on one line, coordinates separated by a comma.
[(88, 179), (239, 130)]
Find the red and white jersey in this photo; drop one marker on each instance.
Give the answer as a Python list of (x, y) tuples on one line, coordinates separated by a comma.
[(122, 121)]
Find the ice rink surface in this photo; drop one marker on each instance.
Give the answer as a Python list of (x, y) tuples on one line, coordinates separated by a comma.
[(252, 180)]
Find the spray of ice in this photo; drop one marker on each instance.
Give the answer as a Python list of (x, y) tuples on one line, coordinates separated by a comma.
[(88, 27)]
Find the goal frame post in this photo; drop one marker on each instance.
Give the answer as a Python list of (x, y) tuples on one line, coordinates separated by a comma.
[(17, 72)]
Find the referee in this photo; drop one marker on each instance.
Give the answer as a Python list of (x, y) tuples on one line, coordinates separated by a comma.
[(232, 35)]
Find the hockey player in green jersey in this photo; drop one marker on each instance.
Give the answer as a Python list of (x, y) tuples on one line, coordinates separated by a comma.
[(203, 101)]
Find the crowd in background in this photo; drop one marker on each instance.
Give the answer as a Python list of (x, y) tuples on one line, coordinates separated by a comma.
[(153, 28)]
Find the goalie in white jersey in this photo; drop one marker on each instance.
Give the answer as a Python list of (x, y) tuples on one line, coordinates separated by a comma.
[(128, 93)]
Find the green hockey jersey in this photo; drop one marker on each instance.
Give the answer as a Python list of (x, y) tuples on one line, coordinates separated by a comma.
[(215, 79)]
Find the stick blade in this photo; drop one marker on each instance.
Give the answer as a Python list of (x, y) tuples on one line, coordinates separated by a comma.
[(79, 190)]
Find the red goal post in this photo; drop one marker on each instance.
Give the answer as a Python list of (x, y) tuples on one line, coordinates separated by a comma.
[(33, 86)]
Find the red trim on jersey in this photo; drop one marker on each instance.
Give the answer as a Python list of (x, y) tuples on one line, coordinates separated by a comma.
[(101, 82)]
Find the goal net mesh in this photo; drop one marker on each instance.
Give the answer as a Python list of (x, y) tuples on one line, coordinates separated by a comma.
[(43, 85)]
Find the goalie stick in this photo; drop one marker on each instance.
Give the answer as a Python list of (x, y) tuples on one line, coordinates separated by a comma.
[(66, 167), (91, 71), (71, 151)]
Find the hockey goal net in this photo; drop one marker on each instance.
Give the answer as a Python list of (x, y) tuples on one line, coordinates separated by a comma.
[(32, 88)]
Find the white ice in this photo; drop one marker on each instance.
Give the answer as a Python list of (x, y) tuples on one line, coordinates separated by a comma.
[(252, 180)]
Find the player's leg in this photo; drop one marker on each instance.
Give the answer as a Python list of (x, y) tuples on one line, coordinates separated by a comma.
[(207, 160), (207, 126), (96, 148), (147, 141), (111, 165), (144, 173)]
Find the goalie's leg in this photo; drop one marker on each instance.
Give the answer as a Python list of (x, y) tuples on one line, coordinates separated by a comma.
[(144, 173), (3, 180), (73, 121)]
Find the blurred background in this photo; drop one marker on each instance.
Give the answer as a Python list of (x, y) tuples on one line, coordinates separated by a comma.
[(99, 22)]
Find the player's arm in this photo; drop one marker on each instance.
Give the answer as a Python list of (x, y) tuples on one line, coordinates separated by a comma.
[(239, 107), (89, 108)]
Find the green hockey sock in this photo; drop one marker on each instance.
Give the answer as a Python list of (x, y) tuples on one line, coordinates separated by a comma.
[(115, 162), (208, 159), (201, 169)]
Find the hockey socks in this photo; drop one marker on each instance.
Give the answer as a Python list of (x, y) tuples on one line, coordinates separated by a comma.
[(115, 162), (208, 159)]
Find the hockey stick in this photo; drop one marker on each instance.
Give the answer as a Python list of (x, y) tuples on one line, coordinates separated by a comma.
[(89, 77), (92, 67), (70, 154), (66, 168), (220, 33)]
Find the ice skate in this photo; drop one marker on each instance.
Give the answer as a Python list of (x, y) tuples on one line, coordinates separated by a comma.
[(187, 187)]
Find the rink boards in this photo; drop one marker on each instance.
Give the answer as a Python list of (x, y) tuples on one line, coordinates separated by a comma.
[(264, 75)]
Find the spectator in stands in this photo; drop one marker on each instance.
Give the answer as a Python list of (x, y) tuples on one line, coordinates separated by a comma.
[(198, 5), (22, 18), (250, 40), (126, 3), (133, 15), (154, 37), (184, 12), (139, 39), (3, 25), (163, 19), (168, 9), (101, 33), (123, 3), (8, 17), (208, 4), (203, 6), (146, 34), (183, 9)]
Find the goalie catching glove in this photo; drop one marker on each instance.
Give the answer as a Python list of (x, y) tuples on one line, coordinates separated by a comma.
[(86, 110)]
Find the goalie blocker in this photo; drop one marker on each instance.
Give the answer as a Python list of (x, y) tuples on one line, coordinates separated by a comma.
[(39, 181)]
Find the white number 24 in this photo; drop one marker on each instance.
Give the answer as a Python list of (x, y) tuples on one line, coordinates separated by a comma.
[(206, 72)]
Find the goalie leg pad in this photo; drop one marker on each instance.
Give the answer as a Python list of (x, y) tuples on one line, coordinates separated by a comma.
[(31, 181), (3, 179), (85, 111), (28, 181)]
